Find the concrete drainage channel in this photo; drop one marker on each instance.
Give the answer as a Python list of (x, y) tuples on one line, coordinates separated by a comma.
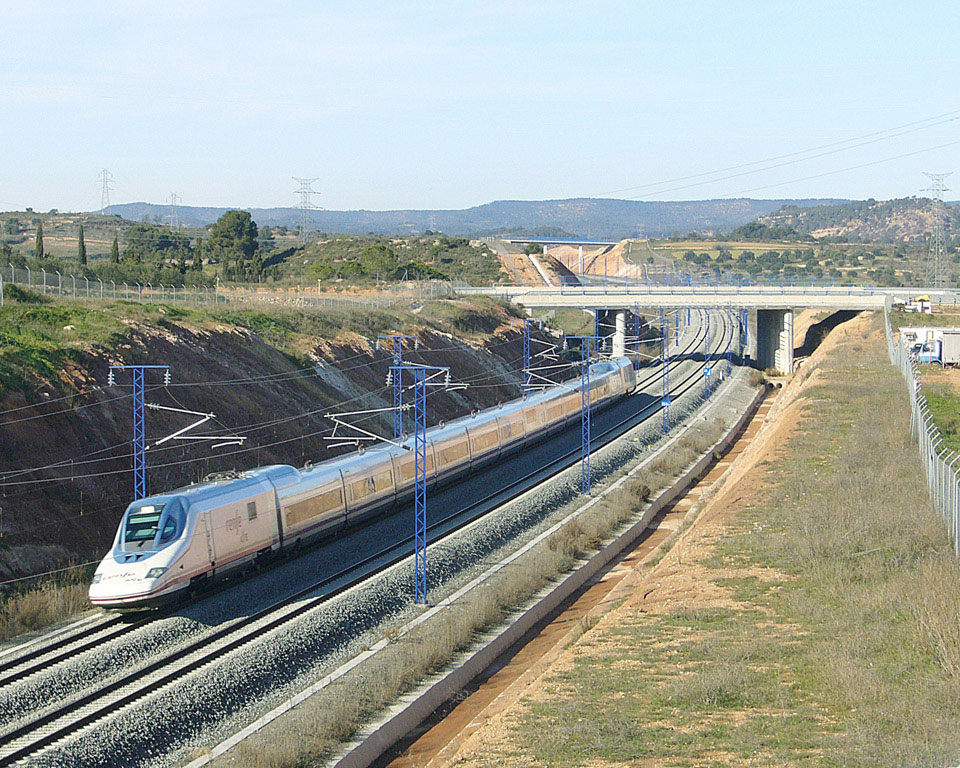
[(735, 396)]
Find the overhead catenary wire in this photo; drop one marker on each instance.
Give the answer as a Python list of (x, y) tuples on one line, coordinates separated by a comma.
[(112, 508), (471, 380), (250, 427), (286, 375)]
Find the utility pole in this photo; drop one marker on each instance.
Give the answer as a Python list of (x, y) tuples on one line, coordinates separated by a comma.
[(105, 178), (306, 204), (173, 201), (934, 273), (587, 346), (396, 341), (527, 375), (706, 353), (665, 371), (139, 430), (421, 374)]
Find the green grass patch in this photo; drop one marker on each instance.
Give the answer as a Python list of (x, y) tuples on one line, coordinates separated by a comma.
[(39, 335), (945, 409)]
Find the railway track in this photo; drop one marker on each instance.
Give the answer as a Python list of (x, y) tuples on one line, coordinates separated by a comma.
[(30, 737), (24, 665)]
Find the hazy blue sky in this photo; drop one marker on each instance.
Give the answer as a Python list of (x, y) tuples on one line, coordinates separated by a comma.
[(451, 104)]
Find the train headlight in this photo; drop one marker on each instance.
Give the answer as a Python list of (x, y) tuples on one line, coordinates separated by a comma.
[(96, 578), (155, 573)]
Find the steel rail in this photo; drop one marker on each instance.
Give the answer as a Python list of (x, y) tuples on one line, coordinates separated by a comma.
[(245, 631), (65, 648)]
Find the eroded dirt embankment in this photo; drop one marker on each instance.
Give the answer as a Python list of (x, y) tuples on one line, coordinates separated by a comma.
[(79, 431)]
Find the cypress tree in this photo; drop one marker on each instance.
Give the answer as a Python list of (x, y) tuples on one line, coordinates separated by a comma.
[(115, 251), (38, 244), (81, 249), (197, 265)]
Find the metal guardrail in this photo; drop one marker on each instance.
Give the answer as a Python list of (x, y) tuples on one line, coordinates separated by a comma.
[(941, 466), (93, 288)]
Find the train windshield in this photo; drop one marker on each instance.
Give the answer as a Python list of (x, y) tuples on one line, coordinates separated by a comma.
[(151, 526), (142, 524)]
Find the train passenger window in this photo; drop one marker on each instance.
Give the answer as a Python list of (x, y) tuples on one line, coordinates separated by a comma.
[(141, 526), (454, 453), (485, 442), (408, 471), (322, 503), (251, 510)]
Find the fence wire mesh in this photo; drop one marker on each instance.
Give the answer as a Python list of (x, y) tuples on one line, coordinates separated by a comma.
[(88, 287), (941, 465)]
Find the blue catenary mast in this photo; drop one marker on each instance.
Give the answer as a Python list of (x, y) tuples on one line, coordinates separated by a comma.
[(526, 356), (587, 344), (139, 423), (664, 372), (420, 377), (396, 341)]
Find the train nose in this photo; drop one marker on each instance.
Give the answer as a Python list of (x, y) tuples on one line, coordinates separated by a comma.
[(119, 583)]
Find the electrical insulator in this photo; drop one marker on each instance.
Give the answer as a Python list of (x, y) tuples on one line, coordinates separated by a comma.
[(565, 345), (377, 345), (416, 343), (166, 378), (446, 379), (389, 378), (111, 379)]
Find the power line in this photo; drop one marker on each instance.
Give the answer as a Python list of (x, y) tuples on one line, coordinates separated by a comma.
[(174, 200), (930, 122), (935, 257), (306, 204), (105, 178), (844, 170), (794, 162)]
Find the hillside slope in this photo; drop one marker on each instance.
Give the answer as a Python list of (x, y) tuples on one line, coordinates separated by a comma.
[(909, 218), (270, 376)]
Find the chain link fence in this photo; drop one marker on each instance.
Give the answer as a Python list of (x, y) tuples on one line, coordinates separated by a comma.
[(92, 288), (941, 465)]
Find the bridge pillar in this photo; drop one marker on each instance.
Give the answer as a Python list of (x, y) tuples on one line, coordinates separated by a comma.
[(580, 261), (620, 333), (775, 340)]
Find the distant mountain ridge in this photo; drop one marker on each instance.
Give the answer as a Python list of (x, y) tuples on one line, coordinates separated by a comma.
[(594, 218)]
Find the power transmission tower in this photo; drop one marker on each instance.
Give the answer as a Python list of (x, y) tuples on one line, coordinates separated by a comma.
[(935, 258), (306, 204), (173, 201), (105, 178)]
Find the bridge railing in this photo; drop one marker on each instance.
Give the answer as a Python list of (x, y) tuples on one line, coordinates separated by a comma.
[(941, 465)]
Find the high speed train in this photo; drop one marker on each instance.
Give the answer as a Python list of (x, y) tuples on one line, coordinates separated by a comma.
[(175, 541)]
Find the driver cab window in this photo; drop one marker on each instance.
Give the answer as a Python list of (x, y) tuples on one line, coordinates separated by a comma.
[(152, 526), (141, 526)]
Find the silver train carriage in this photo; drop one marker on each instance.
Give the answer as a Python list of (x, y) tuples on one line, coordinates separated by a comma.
[(170, 542)]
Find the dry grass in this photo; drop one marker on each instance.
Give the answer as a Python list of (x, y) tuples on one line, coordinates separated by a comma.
[(39, 606), (836, 636), (312, 731)]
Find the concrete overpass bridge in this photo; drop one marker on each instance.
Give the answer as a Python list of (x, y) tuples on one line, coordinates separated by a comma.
[(770, 307)]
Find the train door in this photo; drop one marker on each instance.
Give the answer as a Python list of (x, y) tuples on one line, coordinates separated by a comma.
[(208, 533)]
